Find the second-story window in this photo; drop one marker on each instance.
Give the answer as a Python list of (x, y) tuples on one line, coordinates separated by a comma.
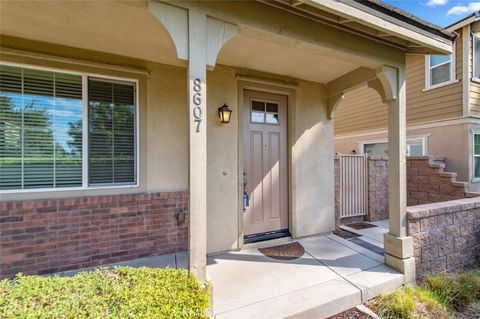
[(440, 70), (476, 57)]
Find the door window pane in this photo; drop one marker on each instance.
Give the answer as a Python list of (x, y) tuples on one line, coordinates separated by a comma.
[(264, 112), (271, 118), (40, 129), (111, 133)]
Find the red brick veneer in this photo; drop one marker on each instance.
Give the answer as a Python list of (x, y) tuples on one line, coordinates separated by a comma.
[(47, 236)]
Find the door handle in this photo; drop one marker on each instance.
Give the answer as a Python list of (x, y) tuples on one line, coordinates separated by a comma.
[(246, 198)]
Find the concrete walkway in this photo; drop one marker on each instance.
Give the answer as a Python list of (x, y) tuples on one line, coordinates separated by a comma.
[(333, 275), (372, 235)]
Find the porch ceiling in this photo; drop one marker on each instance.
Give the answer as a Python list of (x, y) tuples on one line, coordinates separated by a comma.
[(122, 28), (289, 60)]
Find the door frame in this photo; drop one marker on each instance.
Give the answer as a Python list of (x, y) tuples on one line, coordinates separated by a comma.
[(266, 86)]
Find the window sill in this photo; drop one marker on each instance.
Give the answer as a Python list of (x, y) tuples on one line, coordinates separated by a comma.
[(66, 189), (440, 85), (476, 80)]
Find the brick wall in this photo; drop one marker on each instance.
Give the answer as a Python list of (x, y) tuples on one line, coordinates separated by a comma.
[(47, 236), (446, 235)]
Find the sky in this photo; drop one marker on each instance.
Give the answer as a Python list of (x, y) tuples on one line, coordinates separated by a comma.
[(440, 12)]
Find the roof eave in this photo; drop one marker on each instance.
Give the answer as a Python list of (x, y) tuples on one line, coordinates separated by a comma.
[(424, 41)]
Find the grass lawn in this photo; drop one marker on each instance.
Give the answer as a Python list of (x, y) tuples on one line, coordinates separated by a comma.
[(123, 292)]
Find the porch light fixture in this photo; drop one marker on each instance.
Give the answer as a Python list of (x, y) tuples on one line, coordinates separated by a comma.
[(224, 113)]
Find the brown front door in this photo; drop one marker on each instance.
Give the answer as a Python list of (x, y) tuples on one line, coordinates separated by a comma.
[(265, 162)]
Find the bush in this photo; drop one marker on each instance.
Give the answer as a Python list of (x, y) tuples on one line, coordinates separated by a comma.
[(455, 293), (123, 292), (409, 303), (470, 280)]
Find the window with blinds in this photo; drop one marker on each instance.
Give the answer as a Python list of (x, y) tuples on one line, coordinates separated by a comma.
[(41, 125), (40, 129), (111, 108)]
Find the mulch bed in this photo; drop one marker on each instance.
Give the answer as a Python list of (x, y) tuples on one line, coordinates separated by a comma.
[(352, 313)]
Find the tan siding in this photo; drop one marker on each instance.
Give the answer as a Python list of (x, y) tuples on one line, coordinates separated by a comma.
[(363, 110), (475, 99)]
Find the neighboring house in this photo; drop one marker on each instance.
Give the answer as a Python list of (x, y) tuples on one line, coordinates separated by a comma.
[(443, 108), (110, 145)]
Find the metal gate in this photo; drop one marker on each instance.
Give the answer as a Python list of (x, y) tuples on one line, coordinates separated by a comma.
[(353, 171)]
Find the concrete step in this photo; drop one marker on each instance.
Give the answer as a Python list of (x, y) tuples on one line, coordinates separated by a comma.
[(323, 300), (320, 301)]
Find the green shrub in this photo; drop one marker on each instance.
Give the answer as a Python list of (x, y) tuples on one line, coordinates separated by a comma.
[(409, 303), (120, 293), (470, 280), (455, 294)]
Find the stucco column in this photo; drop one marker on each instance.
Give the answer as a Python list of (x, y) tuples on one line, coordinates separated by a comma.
[(398, 246), (197, 97)]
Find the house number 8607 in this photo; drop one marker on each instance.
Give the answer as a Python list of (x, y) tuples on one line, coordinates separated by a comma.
[(197, 100)]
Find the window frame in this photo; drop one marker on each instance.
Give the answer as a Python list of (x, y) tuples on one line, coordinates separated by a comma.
[(423, 138), (428, 68), (474, 60), (85, 76), (475, 179)]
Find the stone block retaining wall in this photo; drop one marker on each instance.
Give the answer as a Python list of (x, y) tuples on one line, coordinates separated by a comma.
[(47, 236), (446, 235)]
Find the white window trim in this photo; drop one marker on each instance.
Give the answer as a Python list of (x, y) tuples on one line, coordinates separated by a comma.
[(474, 178), (85, 76), (453, 76), (474, 62), (424, 138)]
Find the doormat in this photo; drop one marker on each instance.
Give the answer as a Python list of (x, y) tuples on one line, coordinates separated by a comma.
[(361, 225), (352, 313), (288, 251), (345, 234)]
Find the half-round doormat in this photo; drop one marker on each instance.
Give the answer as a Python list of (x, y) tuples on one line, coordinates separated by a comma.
[(288, 251)]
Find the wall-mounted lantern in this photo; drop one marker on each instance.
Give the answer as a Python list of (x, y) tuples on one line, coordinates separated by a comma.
[(224, 113)]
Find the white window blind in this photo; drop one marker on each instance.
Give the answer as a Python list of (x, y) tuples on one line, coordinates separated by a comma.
[(40, 129), (111, 132)]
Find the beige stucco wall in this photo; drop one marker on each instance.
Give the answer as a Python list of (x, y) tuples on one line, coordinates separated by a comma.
[(451, 141), (312, 166), (164, 148)]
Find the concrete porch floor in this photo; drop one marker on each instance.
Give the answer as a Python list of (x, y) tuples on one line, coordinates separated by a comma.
[(372, 235), (333, 275)]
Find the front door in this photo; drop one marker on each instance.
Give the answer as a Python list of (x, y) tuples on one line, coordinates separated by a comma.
[(265, 163)]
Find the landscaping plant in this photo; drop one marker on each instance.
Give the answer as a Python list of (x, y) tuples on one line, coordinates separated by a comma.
[(438, 297), (123, 292), (409, 303)]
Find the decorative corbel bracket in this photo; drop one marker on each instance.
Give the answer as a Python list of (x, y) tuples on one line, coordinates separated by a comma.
[(333, 102), (175, 20), (385, 83)]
